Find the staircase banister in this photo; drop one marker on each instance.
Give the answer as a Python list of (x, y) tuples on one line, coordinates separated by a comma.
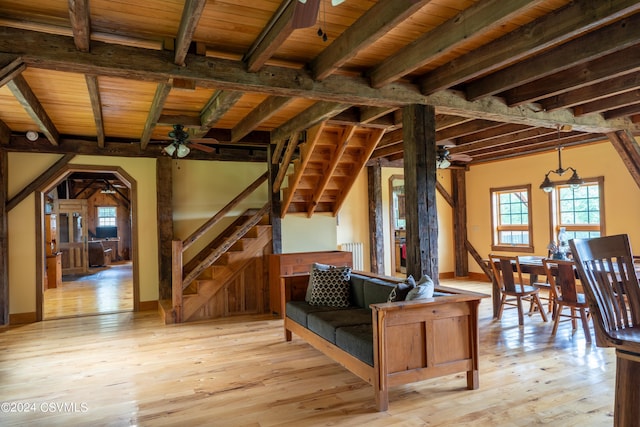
[(223, 212), (229, 241)]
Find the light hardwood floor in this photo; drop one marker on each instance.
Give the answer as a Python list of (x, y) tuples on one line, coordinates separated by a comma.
[(100, 291), (131, 369)]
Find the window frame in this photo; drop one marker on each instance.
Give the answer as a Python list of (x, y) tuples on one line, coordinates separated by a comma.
[(496, 227), (98, 217), (554, 210)]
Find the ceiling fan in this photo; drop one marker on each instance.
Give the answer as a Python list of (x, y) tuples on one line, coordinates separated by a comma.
[(444, 158), (181, 143)]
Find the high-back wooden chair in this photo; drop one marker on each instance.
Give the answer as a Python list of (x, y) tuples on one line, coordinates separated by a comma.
[(610, 282), (513, 291), (562, 286)]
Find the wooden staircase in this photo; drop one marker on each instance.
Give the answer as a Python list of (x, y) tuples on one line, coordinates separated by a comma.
[(330, 161), (229, 275)]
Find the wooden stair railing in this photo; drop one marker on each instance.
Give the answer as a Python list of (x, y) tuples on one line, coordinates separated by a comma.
[(180, 280)]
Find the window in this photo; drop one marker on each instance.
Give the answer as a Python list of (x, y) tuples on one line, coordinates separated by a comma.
[(106, 216), (579, 210), (511, 219)]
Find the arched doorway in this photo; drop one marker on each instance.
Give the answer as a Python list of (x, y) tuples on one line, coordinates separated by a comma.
[(78, 233)]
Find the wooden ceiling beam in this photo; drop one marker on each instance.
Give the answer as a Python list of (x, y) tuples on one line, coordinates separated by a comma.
[(603, 69), (5, 133), (318, 112), (611, 103), (491, 133), (627, 148), (591, 93), (159, 99), (596, 44), (80, 24), (23, 93), (538, 145), (274, 34), (629, 110), (481, 18), (262, 112), (96, 105), (369, 114), (558, 27), (190, 17), (374, 23), (219, 104), (520, 137), (466, 128), (10, 67), (388, 150)]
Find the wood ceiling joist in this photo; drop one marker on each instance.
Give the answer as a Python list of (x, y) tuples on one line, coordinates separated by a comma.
[(80, 24), (352, 117), (96, 105), (550, 30), (611, 103), (286, 161), (520, 137), (274, 34), (159, 99), (306, 148), (23, 93), (372, 141), (190, 17), (490, 133), (388, 150), (593, 92), (219, 104), (262, 112), (604, 41), (466, 128), (340, 147), (318, 112), (622, 112), (602, 69), (480, 18), (377, 21), (537, 146), (369, 114), (10, 67), (443, 122)]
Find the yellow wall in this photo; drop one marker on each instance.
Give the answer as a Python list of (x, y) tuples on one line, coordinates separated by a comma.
[(621, 194)]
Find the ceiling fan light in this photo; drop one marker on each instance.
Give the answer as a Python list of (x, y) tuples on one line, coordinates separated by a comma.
[(443, 163), (183, 151), (170, 149)]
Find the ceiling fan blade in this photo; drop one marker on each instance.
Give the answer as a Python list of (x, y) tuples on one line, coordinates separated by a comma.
[(202, 147), (461, 157), (305, 14)]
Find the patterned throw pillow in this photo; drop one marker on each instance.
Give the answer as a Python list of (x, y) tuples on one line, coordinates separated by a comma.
[(315, 267), (400, 291), (331, 287)]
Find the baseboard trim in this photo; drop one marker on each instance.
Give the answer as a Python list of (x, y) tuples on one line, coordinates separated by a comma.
[(480, 277), (148, 305), (22, 318)]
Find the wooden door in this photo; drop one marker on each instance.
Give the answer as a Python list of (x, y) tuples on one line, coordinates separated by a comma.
[(72, 235)]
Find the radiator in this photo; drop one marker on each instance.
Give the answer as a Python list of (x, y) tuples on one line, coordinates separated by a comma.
[(357, 249)]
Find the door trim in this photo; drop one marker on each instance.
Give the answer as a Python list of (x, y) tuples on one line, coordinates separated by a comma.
[(67, 170)]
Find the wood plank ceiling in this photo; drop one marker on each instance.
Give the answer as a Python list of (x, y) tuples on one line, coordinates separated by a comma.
[(110, 77)]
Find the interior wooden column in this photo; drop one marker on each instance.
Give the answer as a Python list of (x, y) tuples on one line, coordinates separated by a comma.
[(164, 188), (420, 190), (376, 229), (276, 203), (459, 191), (4, 240)]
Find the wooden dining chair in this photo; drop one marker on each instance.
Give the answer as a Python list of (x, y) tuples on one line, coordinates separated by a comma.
[(606, 268), (562, 286), (513, 291)]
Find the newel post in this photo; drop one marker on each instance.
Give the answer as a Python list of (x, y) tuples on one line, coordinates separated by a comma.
[(176, 279)]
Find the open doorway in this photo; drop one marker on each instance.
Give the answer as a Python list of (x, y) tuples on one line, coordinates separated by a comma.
[(398, 225), (88, 249)]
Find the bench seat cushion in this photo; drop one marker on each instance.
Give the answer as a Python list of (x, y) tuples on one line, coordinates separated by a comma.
[(298, 311), (325, 323), (357, 341)]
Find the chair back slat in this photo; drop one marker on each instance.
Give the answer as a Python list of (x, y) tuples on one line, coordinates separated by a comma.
[(503, 269), (562, 279), (606, 268)]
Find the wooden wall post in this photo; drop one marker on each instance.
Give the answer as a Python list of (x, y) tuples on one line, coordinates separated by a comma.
[(420, 190), (4, 240), (459, 191), (376, 229), (164, 186), (276, 202)]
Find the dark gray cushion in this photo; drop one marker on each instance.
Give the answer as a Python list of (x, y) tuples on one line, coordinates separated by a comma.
[(298, 310), (357, 341), (325, 323), (376, 291), (357, 290), (331, 287)]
